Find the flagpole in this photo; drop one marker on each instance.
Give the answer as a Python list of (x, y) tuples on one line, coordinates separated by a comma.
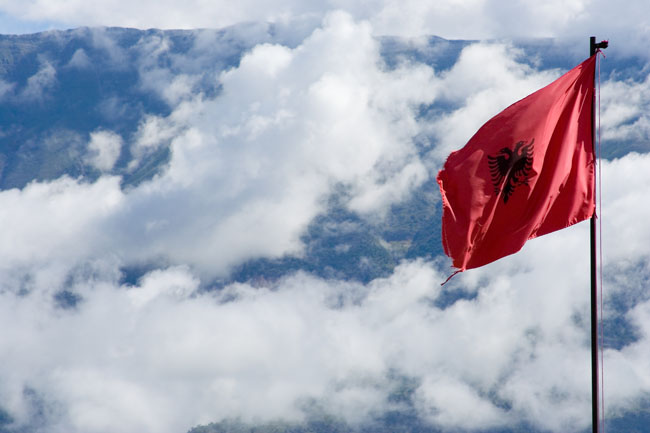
[(593, 48)]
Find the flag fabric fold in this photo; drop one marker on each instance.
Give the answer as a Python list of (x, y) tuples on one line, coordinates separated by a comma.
[(527, 172)]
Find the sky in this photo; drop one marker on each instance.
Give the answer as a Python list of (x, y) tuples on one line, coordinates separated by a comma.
[(296, 120)]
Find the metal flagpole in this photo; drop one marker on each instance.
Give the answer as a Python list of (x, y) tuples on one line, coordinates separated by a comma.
[(593, 48)]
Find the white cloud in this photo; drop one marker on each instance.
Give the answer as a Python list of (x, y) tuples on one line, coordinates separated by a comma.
[(104, 149), (625, 106), (5, 88), (165, 14), (171, 86), (101, 40), (624, 183), (48, 228), (479, 19), (163, 356), (471, 19), (454, 404), (258, 161), (39, 83), (153, 133), (171, 360), (79, 59)]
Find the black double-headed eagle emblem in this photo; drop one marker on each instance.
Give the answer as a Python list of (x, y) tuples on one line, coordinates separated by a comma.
[(510, 168)]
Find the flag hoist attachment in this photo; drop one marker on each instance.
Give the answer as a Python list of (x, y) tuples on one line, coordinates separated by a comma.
[(527, 172)]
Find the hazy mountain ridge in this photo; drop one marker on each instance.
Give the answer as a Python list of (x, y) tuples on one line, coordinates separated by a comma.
[(88, 79), (47, 137), (57, 87)]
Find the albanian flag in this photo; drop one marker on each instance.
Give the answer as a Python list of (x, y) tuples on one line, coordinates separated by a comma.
[(527, 172)]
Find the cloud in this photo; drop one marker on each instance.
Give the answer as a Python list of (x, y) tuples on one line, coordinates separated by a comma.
[(481, 19), (473, 19), (6, 88), (164, 355), (168, 14), (258, 161), (625, 107), (141, 353), (103, 149), (171, 86), (39, 83), (173, 357), (101, 40), (79, 59), (450, 403), (50, 227), (624, 180), (247, 352)]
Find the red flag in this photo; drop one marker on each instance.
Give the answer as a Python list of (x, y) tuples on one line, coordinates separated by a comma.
[(527, 172)]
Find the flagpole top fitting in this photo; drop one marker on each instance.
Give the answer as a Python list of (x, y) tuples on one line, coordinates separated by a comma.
[(602, 45), (596, 47)]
